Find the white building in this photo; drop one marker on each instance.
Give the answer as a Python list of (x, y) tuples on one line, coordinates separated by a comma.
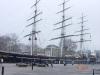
[(52, 50)]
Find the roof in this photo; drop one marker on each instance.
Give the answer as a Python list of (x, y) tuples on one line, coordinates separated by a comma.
[(52, 46)]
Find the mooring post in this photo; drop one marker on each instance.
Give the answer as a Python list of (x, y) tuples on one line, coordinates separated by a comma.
[(32, 66), (93, 71), (2, 71)]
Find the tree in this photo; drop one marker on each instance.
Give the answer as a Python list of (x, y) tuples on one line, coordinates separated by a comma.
[(4, 42), (25, 49), (9, 43), (14, 43)]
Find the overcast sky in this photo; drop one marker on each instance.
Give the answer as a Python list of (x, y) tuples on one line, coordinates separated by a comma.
[(14, 13)]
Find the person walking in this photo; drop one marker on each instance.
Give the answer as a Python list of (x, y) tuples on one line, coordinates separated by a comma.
[(52, 64), (2, 61), (72, 62)]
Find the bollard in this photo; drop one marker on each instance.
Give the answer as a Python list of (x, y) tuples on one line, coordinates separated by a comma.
[(2, 72), (32, 66), (93, 71)]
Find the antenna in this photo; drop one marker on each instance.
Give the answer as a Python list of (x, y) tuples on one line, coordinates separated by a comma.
[(62, 27), (34, 31)]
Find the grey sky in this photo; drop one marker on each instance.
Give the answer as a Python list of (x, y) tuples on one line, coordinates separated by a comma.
[(14, 13)]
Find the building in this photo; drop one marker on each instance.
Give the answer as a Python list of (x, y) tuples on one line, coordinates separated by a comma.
[(52, 50)]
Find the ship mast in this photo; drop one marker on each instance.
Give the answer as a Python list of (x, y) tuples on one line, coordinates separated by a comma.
[(63, 25), (82, 33), (34, 31)]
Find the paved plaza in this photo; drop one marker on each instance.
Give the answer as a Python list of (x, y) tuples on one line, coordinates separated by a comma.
[(58, 69)]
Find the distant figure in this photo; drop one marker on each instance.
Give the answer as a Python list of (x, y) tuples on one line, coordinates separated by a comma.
[(64, 63), (47, 63), (72, 62), (51, 65), (88, 61), (1, 60)]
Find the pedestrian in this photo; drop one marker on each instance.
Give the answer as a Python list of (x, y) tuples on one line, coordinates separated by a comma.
[(1, 60), (51, 65), (64, 63), (72, 62)]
